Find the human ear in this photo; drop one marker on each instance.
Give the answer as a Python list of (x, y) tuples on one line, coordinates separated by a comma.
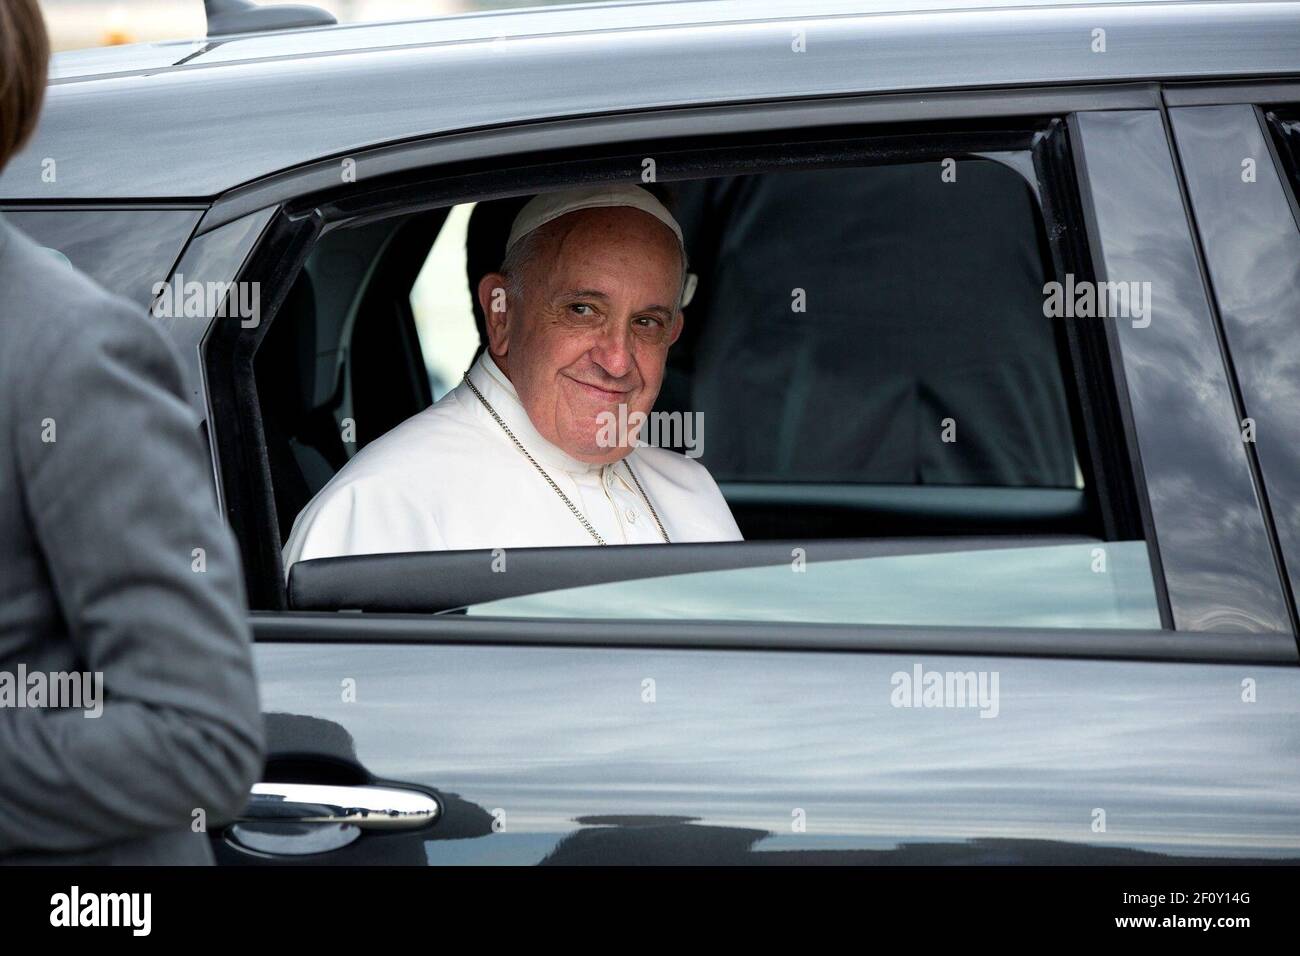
[(493, 300)]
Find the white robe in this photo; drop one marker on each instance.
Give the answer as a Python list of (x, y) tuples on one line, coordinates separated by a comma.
[(450, 479)]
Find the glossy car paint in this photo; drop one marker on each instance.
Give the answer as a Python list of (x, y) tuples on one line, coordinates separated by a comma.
[(577, 759), (254, 106)]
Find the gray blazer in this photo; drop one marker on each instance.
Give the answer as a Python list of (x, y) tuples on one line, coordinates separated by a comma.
[(105, 495)]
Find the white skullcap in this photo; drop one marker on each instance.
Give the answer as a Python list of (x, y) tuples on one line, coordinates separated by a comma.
[(542, 209)]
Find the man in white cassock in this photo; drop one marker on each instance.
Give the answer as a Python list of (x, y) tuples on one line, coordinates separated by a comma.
[(580, 318)]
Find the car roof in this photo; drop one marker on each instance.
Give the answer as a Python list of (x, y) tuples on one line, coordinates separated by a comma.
[(493, 24), (192, 119)]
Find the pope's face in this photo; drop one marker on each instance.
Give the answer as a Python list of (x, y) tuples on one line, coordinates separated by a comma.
[(597, 312)]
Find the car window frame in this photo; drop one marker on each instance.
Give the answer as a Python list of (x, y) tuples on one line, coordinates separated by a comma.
[(302, 223), (959, 106)]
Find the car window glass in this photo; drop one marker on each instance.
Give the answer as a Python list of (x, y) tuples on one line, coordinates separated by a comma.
[(125, 250), (1218, 566), (1252, 252), (1085, 585)]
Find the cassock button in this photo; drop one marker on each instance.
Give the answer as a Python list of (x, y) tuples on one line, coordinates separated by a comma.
[(631, 515)]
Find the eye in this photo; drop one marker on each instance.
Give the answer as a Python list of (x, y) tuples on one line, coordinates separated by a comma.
[(581, 308), (650, 328)]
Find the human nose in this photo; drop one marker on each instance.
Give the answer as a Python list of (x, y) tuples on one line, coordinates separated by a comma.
[(613, 350)]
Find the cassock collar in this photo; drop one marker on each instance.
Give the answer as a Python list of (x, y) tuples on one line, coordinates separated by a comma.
[(497, 389)]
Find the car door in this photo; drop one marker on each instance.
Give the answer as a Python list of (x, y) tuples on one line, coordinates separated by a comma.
[(561, 733)]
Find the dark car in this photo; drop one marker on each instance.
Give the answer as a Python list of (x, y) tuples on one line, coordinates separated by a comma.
[(996, 339)]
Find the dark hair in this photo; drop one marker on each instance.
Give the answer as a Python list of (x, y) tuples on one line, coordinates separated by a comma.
[(24, 65)]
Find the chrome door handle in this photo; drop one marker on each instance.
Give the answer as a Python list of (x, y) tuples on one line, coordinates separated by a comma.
[(369, 808)]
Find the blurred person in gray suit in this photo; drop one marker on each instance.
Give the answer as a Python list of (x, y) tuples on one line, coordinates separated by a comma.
[(129, 717)]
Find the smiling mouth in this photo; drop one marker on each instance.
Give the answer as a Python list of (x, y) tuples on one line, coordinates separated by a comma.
[(604, 394)]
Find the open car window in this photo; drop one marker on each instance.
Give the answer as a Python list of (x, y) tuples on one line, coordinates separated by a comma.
[(858, 340), (903, 430), (848, 315)]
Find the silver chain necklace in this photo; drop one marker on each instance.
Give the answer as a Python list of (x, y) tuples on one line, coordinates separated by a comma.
[(556, 488)]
